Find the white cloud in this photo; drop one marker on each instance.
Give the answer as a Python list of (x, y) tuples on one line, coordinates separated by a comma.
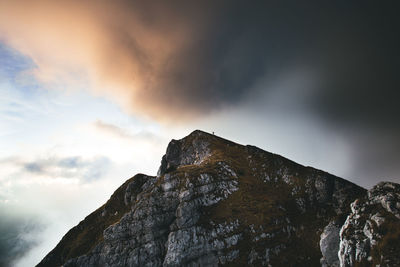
[(57, 166)]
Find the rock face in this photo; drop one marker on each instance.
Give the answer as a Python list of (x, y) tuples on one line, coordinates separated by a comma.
[(371, 234), (329, 245), (185, 152), (215, 202)]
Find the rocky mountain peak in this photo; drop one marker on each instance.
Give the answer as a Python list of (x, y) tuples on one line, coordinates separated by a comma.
[(192, 149), (215, 202)]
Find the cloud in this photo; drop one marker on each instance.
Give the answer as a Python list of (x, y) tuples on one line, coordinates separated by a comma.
[(375, 156), (116, 131), (178, 60), (112, 129), (56, 167), (39, 196), (18, 235), (129, 50)]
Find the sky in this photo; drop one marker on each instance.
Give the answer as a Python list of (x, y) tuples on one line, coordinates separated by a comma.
[(91, 92)]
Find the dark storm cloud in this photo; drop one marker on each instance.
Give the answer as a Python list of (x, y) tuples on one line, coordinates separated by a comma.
[(186, 58), (351, 51), (360, 66)]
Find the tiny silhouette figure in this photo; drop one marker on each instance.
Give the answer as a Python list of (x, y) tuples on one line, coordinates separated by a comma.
[(213, 133)]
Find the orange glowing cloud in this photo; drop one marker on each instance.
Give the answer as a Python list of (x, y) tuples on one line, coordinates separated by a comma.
[(129, 50)]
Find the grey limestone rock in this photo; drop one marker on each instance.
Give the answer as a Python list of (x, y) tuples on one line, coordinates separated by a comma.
[(185, 152), (372, 229), (329, 245)]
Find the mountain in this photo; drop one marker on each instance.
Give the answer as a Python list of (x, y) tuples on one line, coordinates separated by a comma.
[(215, 202)]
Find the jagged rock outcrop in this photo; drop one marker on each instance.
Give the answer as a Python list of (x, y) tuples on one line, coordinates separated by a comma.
[(215, 202), (371, 234), (329, 245), (185, 152)]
